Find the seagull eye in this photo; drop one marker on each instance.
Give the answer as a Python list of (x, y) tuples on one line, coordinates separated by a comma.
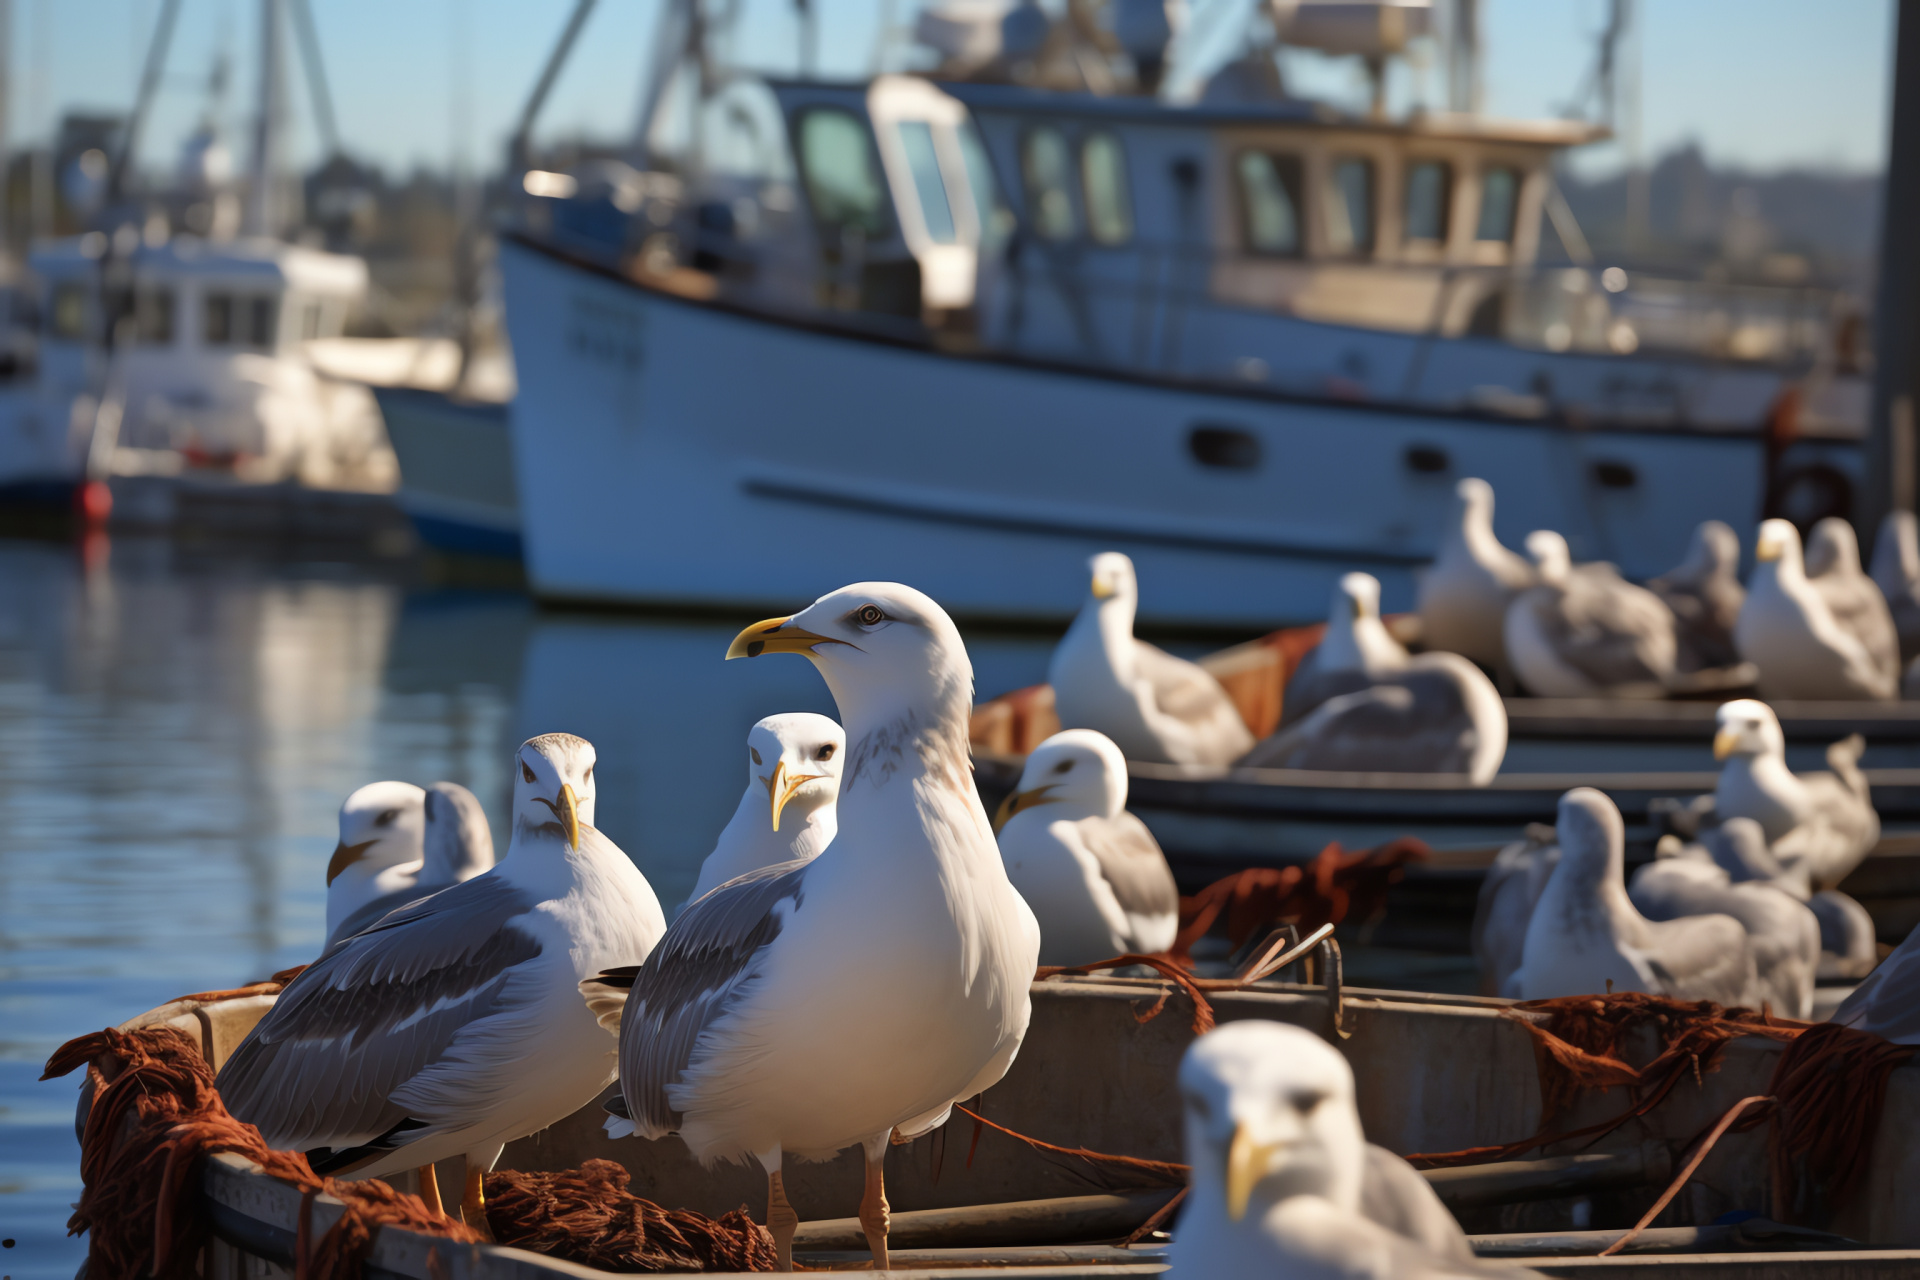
[(1063, 766), (386, 818), (588, 775), (755, 753), (526, 771), (869, 615), (825, 753)]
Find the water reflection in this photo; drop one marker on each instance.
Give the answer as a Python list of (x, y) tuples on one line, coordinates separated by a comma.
[(176, 734)]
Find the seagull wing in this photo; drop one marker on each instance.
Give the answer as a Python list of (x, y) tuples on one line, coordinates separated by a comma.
[(1612, 631), (348, 1051), (1136, 870), (710, 953), (363, 919), (1188, 693), (1886, 1003), (1702, 958), (1393, 1194)]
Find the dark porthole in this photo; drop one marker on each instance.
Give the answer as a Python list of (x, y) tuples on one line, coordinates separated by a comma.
[(1615, 475), (1427, 460), (1228, 448)]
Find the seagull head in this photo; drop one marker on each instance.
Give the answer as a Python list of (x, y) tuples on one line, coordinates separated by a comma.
[(1716, 550), (1269, 1114), (1592, 835), (1079, 768), (796, 758), (1778, 545), (886, 651), (1113, 577), (381, 825), (1551, 559), (459, 844), (1357, 596), (1832, 546), (1747, 727), (553, 785)]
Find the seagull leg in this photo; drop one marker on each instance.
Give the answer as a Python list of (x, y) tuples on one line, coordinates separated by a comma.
[(782, 1221), (874, 1218), (473, 1205), (430, 1192)]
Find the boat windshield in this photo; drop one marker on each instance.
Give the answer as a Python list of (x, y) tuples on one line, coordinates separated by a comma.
[(916, 140), (843, 180)]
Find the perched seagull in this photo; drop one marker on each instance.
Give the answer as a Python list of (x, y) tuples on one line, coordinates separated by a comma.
[(1788, 629), (1896, 570), (1782, 932), (453, 1026), (1154, 706), (1464, 593), (1816, 824), (1887, 1001), (1361, 703), (793, 771), (1586, 632), (1705, 595), (1857, 603), (1283, 1181), (382, 827), (458, 846), (1091, 871), (1586, 933), (1508, 895), (808, 1007), (1847, 935)]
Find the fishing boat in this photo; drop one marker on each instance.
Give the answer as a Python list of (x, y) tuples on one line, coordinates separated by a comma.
[(456, 469), (966, 334), (1433, 1074)]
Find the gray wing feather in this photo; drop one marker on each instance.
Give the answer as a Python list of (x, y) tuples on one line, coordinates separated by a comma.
[(377, 1009), (1611, 631), (1414, 721), (1393, 1194), (693, 977), (1134, 867), (1310, 687), (371, 914), (1703, 958)]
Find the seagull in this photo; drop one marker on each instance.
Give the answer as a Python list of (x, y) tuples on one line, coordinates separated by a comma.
[(1788, 629), (453, 1026), (1464, 593), (1858, 605), (1284, 1182), (1705, 595), (1508, 894), (1091, 871), (1887, 1001), (457, 846), (1817, 824), (1154, 706), (1586, 936), (1896, 570), (1586, 632), (382, 826), (793, 772), (1360, 703), (811, 1006), (1847, 935), (1782, 932)]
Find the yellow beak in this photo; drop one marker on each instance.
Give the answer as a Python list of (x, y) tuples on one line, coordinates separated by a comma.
[(566, 810), (781, 785), (1101, 590), (772, 635), (344, 856), (1769, 549), (1021, 800), (1246, 1165), (1725, 743)]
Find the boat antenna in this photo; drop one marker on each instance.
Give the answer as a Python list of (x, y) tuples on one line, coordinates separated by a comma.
[(1463, 58), (308, 38), (262, 211), (518, 150), (149, 85)]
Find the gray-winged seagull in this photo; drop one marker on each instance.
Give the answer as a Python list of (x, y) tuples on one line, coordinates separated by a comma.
[(457, 846), (787, 811)]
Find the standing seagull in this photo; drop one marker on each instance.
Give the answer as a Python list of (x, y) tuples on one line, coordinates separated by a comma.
[(1154, 706), (1464, 593), (1896, 570), (1283, 1181), (807, 1007), (454, 1026), (1857, 601), (382, 827), (793, 770), (1817, 825), (1788, 629), (1586, 632), (1705, 595), (1091, 871), (458, 846)]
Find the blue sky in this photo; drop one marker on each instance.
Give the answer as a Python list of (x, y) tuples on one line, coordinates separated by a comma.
[(1760, 83)]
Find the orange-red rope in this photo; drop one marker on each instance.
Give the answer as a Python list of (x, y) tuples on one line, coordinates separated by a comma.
[(1328, 890)]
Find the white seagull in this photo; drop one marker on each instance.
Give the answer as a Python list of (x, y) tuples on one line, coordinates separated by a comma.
[(1283, 1181), (793, 774), (1586, 933), (454, 1026), (1586, 632), (1154, 706), (1787, 628), (1091, 871), (1856, 600), (382, 827), (808, 1007), (1705, 595), (457, 846), (1464, 593), (1504, 909), (1896, 570), (1818, 825)]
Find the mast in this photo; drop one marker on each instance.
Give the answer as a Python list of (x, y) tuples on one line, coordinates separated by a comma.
[(1890, 469), (263, 215)]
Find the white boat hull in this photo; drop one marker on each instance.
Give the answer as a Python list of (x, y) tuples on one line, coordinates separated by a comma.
[(676, 452)]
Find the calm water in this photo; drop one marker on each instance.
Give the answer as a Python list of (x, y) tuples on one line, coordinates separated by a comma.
[(177, 732)]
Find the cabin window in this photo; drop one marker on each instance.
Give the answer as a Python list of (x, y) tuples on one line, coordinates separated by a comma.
[(1499, 194), (1270, 202), (916, 139), (994, 220), (1429, 192), (1103, 180), (153, 316), (1350, 206), (216, 319), (69, 311), (842, 181), (262, 315), (1047, 167)]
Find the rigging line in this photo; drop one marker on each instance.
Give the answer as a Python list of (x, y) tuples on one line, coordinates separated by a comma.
[(307, 36), (149, 84), (548, 74)]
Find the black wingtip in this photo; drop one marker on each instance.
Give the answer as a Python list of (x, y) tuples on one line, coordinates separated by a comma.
[(326, 1161), (621, 978), (617, 1106)]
